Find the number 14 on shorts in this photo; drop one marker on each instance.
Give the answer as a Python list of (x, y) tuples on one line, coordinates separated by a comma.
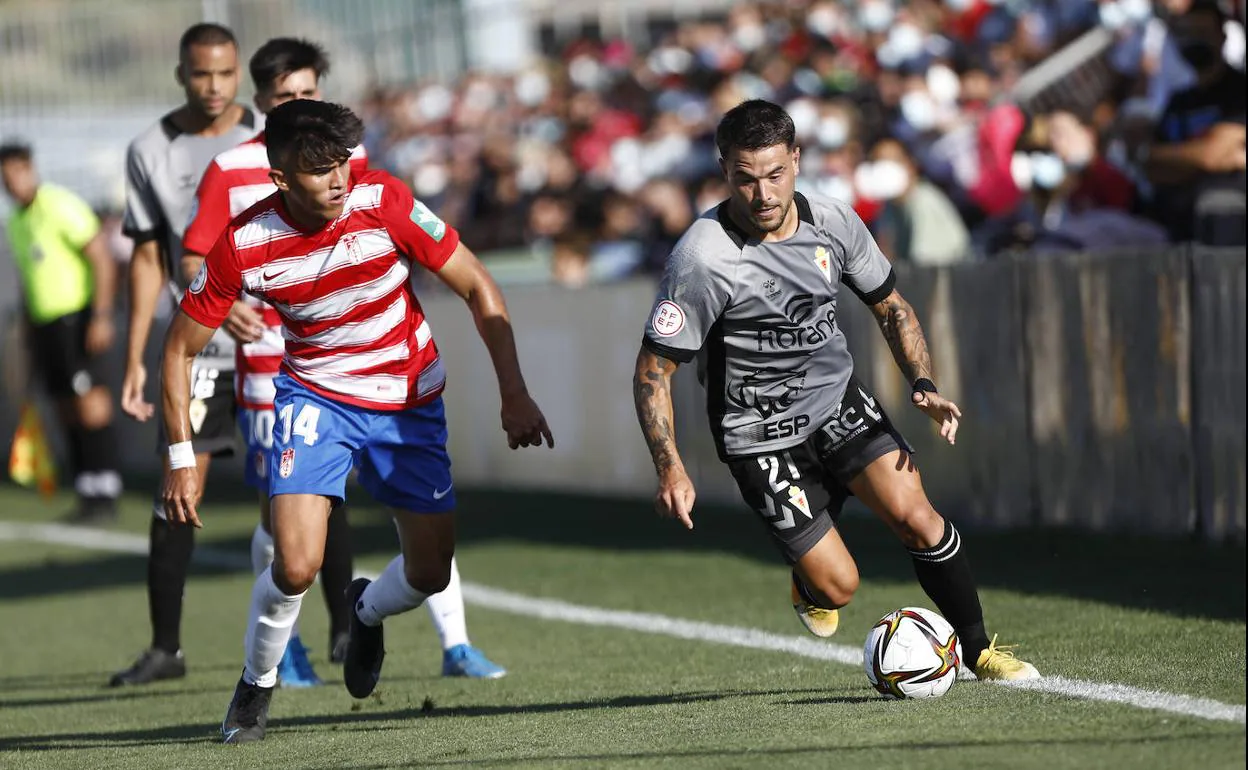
[(302, 425)]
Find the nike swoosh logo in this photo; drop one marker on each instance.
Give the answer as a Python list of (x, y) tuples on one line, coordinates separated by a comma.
[(232, 733), (439, 494), (273, 277)]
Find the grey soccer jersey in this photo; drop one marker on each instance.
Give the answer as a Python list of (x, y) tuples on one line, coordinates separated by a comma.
[(163, 168), (760, 317)]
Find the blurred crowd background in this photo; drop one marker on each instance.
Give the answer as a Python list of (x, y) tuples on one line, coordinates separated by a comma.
[(958, 129), (918, 113)]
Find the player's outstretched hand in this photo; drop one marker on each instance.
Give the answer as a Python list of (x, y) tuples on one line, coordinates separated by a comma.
[(942, 410), (524, 423), (244, 323), (675, 497), (180, 495), (132, 401)]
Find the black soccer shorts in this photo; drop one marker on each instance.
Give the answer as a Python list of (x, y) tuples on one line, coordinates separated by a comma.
[(212, 412), (799, 492), (59, 353)]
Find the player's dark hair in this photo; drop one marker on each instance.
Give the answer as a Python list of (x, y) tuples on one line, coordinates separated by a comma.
[(205, 33), (312, 134), (754, 125), (15, 151), (283, 55)]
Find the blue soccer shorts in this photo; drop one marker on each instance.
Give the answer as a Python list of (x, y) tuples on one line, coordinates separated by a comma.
[(256, 426), (401, 456)]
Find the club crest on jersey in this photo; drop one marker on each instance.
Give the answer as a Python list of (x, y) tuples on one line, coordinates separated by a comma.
[(668, 319), (287, 465), (428, 221), (823, 261)]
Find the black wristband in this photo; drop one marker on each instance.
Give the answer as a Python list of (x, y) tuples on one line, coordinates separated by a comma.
[(925, 385)]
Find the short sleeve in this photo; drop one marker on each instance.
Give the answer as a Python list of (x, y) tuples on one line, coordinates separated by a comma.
[(865, 269), (691, 298), (417, 232), (78, 223), (216, 286), (143, 219), (210, 212)]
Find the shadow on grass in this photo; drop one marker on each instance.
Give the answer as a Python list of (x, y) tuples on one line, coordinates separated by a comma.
[(1173, 576), (362, 720)]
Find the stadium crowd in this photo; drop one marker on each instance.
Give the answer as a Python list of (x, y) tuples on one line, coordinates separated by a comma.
[(600, 156)]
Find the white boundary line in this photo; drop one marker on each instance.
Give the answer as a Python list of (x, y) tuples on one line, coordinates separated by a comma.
[(553, 609)]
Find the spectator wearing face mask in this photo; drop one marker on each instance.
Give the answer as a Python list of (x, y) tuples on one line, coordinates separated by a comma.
[(1197, 158), (1093, 182), (918, 223)]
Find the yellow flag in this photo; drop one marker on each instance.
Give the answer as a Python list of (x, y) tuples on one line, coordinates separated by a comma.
[(30, 459)]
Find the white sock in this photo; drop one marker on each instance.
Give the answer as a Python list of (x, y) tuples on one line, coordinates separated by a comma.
[(262, 558), (272, 619), (261, 550), (447, 610), (388, 595)]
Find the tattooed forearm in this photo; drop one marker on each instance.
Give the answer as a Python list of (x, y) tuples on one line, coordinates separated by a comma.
[(905, 337), (652, 397)]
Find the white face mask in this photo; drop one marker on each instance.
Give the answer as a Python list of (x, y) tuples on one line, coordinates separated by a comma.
[(918, 109), (1137, 11), (749, 37), (823, 21), (875, 15), (906, 41), (943, 84), (585, 72), (833, 133), (838, 188), (883, 180), (1047, 170), (805, 117), (532, 88), (435, 102), (958, 6), (430, 179), (1112, 15)]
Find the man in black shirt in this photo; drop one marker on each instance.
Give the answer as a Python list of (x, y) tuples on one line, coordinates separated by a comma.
[(1197, 158)]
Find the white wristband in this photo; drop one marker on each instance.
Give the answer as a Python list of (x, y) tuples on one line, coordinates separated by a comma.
[(181, 455)]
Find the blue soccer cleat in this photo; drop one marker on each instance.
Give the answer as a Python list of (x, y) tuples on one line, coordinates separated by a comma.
[(466, 660), (294, 669)]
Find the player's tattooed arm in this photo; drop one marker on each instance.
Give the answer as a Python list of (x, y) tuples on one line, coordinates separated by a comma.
[(652, 397), (901, 328)]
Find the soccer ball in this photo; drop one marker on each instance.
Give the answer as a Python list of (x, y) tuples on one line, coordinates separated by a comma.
[(912, 653)]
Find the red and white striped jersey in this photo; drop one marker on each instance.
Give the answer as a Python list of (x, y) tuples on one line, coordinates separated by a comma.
[(235, 180), (353, 328)]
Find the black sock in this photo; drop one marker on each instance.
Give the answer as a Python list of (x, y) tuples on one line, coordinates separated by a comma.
[(167, 565), (944, 572), (98, 481), (336, 570)]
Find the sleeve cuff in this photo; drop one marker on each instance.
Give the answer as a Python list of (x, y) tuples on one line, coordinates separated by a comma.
[(199, 316), (671, 354), (879, 294), (140, 236)]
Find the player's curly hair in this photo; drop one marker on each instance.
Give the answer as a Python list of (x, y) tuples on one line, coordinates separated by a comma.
[(307, 135), (753, 125)]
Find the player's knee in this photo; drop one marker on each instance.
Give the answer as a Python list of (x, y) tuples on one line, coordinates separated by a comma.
[(429, 579), (835, 591), (918, 525), (294, 576)]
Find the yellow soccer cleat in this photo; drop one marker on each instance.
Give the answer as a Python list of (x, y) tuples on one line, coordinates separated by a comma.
[(999, 663), (818, 621)]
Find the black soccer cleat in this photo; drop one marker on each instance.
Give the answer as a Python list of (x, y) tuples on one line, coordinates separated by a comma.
[(338, 647), (366, 649), (248, 714), (152, 666)]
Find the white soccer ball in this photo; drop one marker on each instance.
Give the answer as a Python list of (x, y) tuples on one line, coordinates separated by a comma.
[(912, 653)]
